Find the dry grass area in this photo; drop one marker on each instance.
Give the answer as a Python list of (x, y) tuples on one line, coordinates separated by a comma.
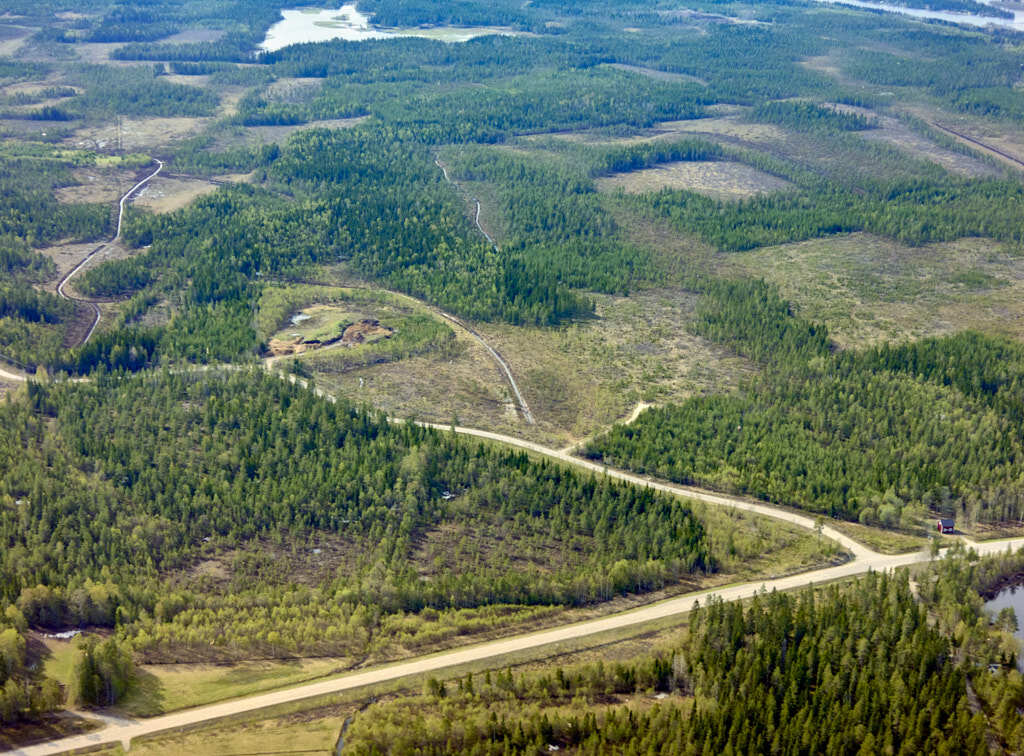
[(720, 179), (584, 376), (725, 123), (1000, 134), (279, 134), (66, 257), (193, 35), (97, 184), (313, 731), (165, 195), (892, 131), (162, 688), (139, 134), (462, 384), (868, 289)]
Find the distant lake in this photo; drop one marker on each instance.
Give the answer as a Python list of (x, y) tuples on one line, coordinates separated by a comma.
[(1013, 597), (312, 25), (1017, 22)]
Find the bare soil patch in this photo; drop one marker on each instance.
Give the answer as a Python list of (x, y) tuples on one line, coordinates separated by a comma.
[(365, 331), (12, 37), (165, 195), (723, 180)]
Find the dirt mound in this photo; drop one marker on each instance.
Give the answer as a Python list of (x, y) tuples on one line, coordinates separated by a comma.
[(279, 347), (365, 330)]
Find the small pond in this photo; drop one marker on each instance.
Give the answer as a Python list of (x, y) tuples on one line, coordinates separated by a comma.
[(1014, 598)]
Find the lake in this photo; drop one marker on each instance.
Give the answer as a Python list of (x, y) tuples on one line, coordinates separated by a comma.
[(312, 25), (1017, 22), (1012, 597)]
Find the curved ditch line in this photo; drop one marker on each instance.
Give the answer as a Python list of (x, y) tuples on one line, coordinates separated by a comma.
[(85, 260), (523, 407)]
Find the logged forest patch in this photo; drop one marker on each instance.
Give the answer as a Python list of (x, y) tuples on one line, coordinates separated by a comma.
[(589, 374), (719, 179), (165, 195), (96, 184), (868, 289), (138, 134)]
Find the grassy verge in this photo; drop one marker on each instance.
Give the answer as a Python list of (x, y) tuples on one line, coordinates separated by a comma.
[(884, 541)]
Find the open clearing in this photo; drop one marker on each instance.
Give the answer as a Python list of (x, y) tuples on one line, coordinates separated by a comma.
[(193, 35), (165, 194), (279, 134), (653, 73), (576, 379), (97, 185), (138, 134), (720, 179), (868, 289), (12, 37), (587, 375)]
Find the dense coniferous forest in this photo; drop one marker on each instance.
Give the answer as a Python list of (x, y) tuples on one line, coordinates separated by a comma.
[(878, 435), (805, 674), (182, 468)]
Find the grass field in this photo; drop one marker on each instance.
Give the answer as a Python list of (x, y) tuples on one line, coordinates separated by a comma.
[(885, 541), (160, 688)]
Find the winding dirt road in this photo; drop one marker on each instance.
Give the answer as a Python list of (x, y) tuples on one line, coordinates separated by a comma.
[(85, 260)]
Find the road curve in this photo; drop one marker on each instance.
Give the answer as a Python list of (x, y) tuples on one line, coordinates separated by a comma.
[(865, 560), (82, 263), (859, 550), (123, 731)]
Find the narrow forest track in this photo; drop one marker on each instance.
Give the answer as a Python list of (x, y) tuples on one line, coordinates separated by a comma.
[(476, 216), (85, 260), (523, 407)]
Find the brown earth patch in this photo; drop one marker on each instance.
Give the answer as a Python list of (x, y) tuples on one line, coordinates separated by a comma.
[(363, 332), (138, 134)]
